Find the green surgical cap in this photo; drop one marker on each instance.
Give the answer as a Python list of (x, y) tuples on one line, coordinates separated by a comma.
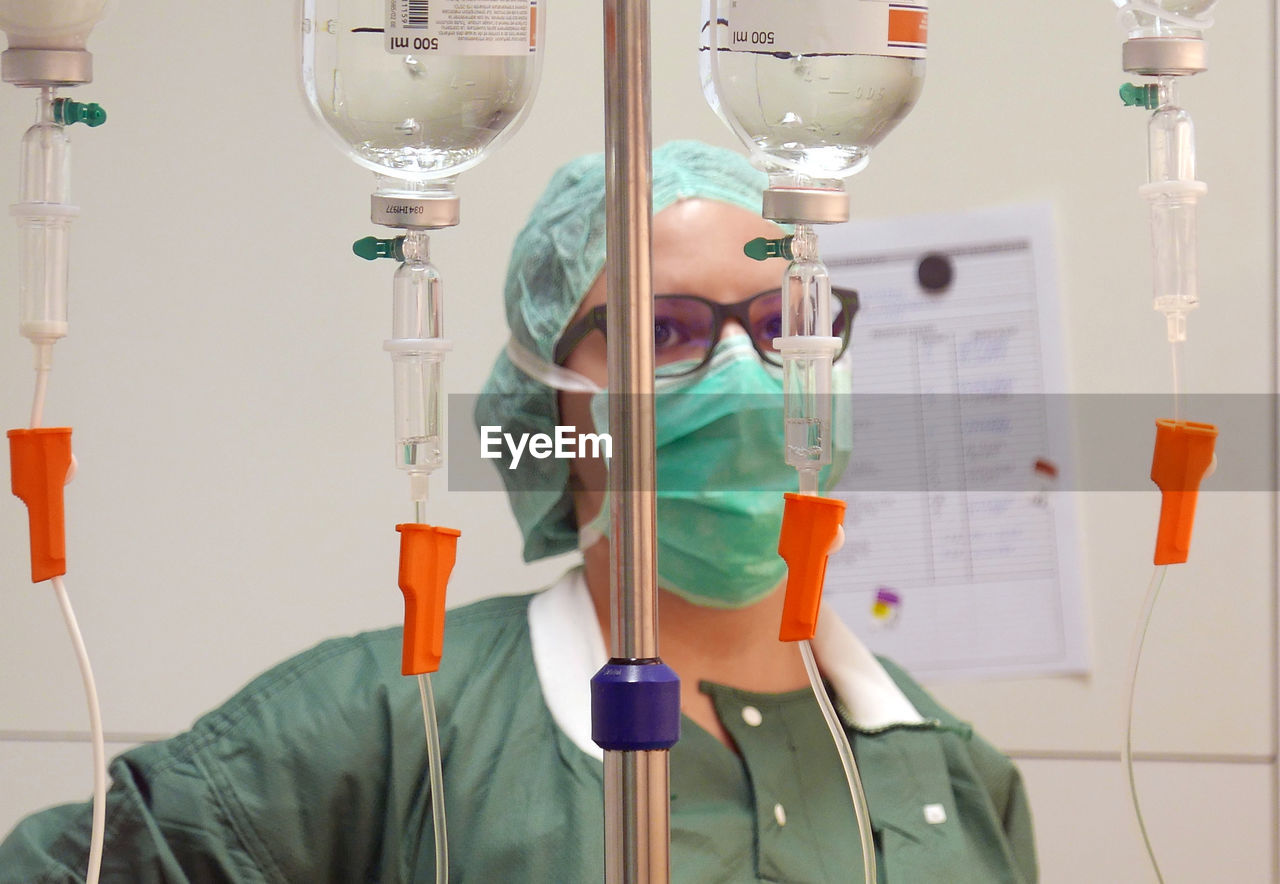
[(555, 260)]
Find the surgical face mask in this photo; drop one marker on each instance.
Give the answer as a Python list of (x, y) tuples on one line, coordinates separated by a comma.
[(720, 473)]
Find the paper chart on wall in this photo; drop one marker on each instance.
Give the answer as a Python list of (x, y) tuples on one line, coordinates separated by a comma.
[(961, 557)]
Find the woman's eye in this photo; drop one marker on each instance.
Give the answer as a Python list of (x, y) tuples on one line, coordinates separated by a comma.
[(666, 333), (768, 328)]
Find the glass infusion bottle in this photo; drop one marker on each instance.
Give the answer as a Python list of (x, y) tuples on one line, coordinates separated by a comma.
[(419, 91), (811, 86)]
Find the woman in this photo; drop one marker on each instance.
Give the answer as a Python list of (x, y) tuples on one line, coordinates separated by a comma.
[(316, 771)]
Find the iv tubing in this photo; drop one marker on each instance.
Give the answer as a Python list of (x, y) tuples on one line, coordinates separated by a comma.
[(43, 365), (37, 401), (808, 481), (95, 730), (1144, 621), (1126, 751), (97, 740), (860, 809), (1157, 581), (1175, 354), (437, 777), (433, 752), (1153, 591)]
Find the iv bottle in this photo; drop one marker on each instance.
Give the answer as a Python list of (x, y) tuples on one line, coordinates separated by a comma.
[(419, 91), (811, 86), (49, 24), (1180, 18)]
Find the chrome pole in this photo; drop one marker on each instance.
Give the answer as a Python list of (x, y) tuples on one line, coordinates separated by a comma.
[(637, 832)]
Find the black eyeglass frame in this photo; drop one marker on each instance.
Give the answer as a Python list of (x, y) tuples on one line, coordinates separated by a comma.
[(595, 319)]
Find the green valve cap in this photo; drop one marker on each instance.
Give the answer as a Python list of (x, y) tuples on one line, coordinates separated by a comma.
[(68, 112), (371, 248), (1140, 96), (761, 249)]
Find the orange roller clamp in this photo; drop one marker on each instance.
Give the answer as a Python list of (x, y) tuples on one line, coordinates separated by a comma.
[(427, 553), (39, 461), (810, 526), (1183, 453)]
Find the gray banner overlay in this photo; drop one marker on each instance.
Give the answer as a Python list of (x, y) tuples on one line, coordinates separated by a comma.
[(940, 443)]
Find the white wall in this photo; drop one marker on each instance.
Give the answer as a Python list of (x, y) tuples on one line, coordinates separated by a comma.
[(230, 396)]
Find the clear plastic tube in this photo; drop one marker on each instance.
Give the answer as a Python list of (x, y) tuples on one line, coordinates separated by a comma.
[(417, 358), (434, 767), (808, 482), (437, 778), (37, 399), (46, 154), (1173, 192), (807, 349), (808, 286), (44, 217), (860, 810), (1126, 751), (99, 824)]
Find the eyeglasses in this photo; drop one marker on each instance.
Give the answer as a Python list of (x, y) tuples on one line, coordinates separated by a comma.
[(686, 328)]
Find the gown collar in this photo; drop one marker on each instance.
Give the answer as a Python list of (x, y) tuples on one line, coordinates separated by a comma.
[(568, 650)]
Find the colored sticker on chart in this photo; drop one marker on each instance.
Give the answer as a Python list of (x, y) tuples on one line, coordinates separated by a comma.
[(462, 27), (844, 27), (1045, 468), (1046, 473), (884, 610)]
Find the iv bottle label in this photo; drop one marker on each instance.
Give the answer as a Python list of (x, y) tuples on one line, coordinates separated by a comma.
[(462, 27), (842, 27)]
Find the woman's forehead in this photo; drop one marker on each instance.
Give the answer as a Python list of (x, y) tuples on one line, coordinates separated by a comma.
[(707, 217), (697, 249)]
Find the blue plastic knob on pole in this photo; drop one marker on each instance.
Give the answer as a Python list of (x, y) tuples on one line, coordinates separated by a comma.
[(635, 706)]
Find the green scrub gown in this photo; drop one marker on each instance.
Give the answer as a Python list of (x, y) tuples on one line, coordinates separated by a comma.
[(317, 772)]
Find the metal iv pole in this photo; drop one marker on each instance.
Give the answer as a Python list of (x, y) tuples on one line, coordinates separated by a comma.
[(635, 697)]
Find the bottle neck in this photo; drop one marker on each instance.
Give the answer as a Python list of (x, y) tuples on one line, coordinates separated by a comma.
[(416, 247)]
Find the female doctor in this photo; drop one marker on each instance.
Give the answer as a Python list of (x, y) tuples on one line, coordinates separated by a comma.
[(316, 771)]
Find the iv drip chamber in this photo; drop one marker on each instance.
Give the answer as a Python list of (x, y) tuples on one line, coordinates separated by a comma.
[(1173, 193), (419, 96), (807, 285), (44, 222), (417, 359), (813, 87), (808, 349)]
